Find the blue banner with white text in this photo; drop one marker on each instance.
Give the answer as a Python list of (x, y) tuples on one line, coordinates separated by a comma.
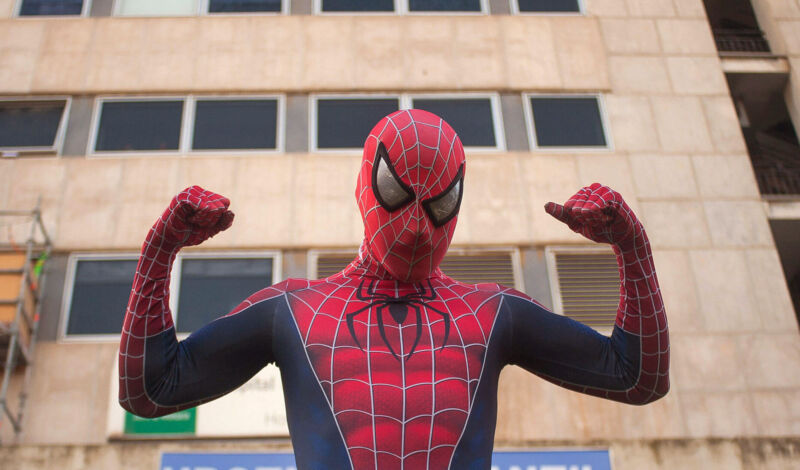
[(534, 460)]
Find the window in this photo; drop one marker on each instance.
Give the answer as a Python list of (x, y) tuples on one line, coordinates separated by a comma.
[(244, 6), (193, 7), (211, 286), (204, 287), (444, 5), (97, 294), (156, 7), (585, 284), (563, 121), (546, 6), (31, 125), (331, 6), (50, 7), (499, 266), (473, 119), (235, 124), (400, 6), (343, 122), (187, 124), (139, 125)]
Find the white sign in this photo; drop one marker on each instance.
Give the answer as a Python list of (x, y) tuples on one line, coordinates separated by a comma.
[(254, 409)]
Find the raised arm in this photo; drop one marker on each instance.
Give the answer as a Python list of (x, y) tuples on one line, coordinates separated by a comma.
[(631, 366), (157, 374)]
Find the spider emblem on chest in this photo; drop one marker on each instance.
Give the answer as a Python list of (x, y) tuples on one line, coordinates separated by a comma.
[(398, 307)]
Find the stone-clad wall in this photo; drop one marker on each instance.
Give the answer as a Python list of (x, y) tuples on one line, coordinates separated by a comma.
[(290, 53), (677, 156)]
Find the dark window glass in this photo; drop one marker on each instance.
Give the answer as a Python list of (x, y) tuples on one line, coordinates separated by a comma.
[(235, 124), (357, 5), (345, 123), (29, 124), (212, 287), (51, 7), (568, 122), (444, 5), (234, 6), (100, 296), (548, 5), (471, 118), (140, 125)]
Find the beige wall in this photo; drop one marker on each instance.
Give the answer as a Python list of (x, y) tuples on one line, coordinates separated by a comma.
[(678, 158), (291, 53)]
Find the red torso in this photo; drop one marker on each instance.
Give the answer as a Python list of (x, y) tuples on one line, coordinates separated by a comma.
[(395, 409)]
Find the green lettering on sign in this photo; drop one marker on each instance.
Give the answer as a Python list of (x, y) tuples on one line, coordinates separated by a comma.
[(182, 422)]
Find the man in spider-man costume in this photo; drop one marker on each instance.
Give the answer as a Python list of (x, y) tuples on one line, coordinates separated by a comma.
[(391, 364)]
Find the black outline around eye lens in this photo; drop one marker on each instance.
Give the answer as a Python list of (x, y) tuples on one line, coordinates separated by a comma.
[(381, 153), (426, 204)]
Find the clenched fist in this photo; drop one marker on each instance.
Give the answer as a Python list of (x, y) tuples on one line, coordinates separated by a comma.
[(600, 214), (194, 216)]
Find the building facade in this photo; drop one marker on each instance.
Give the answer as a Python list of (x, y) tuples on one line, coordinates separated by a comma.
[(688, 108)]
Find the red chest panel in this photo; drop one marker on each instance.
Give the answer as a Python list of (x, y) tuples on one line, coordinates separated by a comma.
[(397, 408)]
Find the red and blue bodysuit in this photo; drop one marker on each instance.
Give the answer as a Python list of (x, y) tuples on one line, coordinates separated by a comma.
[(390, 364)]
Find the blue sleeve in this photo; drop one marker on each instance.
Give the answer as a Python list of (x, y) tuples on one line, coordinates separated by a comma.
[(212, 361), (570, 353)]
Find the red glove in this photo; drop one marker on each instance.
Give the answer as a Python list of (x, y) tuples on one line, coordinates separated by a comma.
[(600, 214), (194, 216)]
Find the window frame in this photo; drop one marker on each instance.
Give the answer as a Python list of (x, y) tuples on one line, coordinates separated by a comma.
[(313, 118), (530, 127), (204, 4), (97, 115), (401, 7), (187, 125), (496, 110), (280, 124), (177, 269), (69, 288), (85, 9), (313, 255), (174, 286), (550, 252), (115, 11), (514, 5), (58, 141), (405, 101)]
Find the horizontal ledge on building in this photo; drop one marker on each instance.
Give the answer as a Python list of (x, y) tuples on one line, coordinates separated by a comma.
[(787, 207), (760, 63)]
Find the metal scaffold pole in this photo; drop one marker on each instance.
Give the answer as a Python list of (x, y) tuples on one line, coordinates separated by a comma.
[(19, 316)]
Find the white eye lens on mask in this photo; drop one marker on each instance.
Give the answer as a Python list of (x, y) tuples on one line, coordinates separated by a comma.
[(444, 206), (390, 191)]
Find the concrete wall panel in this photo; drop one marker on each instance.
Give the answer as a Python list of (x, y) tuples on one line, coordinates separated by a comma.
[(690, 8), (632, 124), (723, 124), (675, 224), (728, 176), (630, 36), (685, 36), (659, 176), (650, 9)]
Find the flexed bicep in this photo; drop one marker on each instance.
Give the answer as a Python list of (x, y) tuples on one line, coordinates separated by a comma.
[(575, 356), (212, 361), (563, 350)]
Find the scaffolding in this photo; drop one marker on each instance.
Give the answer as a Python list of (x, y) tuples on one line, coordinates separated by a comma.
[(21, 287)]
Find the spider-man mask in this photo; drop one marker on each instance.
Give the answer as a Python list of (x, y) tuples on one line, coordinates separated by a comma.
[(409, 192)]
